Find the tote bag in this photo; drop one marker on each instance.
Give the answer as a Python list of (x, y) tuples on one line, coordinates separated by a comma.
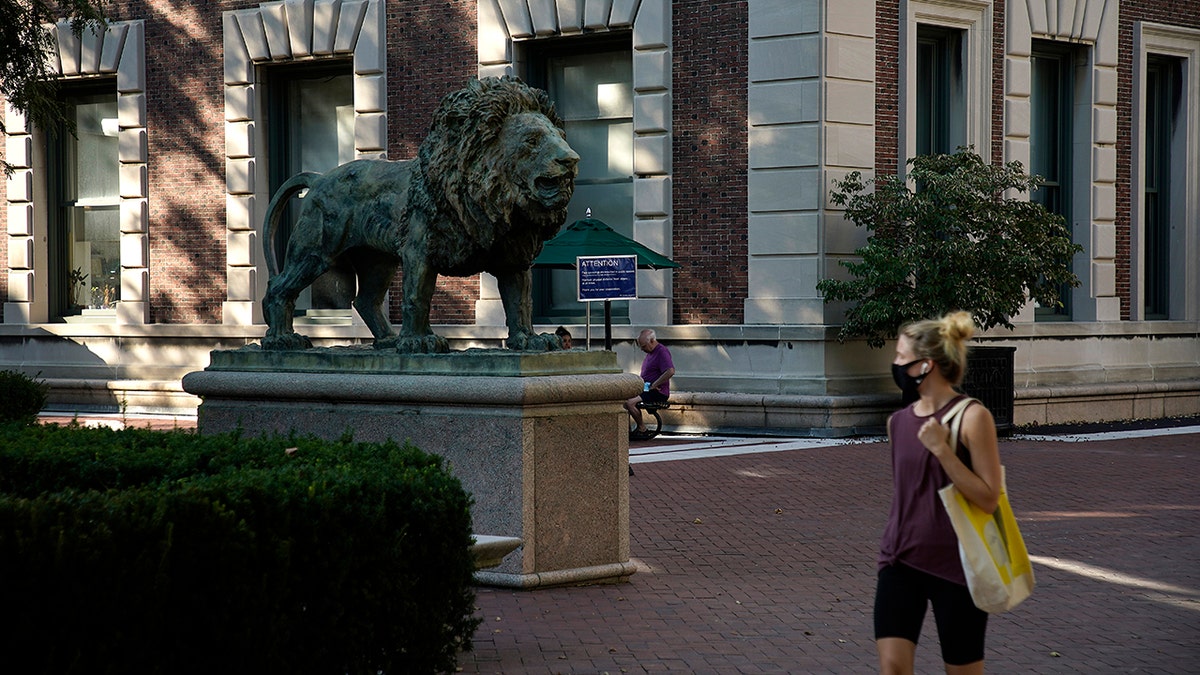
[(993, 553)]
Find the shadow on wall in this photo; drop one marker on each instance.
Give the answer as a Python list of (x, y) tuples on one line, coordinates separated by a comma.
[(79, 378)]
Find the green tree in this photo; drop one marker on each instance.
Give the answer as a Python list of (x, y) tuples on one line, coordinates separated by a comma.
[(25, 40), (955, 242)]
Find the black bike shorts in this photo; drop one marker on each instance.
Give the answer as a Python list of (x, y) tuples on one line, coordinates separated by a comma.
[(901, 596)]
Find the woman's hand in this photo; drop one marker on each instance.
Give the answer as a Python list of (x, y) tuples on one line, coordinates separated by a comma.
[(935, 437)]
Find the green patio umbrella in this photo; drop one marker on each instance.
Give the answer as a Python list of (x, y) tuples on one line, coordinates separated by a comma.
[(592, 237)]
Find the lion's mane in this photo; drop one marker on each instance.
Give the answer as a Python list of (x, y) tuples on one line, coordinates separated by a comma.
[(462, 167)]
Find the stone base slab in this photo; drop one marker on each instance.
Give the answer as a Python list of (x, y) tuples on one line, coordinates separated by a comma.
[(539, 440)]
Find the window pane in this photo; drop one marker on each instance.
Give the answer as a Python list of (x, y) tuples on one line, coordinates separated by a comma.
[(323, 135), (95, 257), (941, 90), (1163, 83), (311, 126), (605, 149), (97, 160), (585, 87)]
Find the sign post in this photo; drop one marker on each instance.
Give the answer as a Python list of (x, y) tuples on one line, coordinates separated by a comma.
[(607, 278)]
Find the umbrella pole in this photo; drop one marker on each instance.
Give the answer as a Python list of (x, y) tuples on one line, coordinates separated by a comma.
[(608, 325)]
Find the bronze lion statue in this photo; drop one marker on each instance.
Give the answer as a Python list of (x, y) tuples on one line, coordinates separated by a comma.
[(489, 186)]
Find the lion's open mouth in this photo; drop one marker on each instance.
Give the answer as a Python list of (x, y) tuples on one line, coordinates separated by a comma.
[(548, 188)]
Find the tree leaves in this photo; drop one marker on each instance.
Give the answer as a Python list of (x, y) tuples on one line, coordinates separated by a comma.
[(25, 81), (966, 238)]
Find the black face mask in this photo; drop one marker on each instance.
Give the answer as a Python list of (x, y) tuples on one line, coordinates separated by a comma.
[(908, 384)]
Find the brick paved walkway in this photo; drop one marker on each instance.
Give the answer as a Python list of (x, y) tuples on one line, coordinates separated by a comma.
[(764, 563)]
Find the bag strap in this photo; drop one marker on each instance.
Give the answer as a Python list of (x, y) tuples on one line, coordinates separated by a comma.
[(954, 418)]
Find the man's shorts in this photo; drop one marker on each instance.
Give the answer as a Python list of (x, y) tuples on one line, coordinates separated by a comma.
[(654, 396)]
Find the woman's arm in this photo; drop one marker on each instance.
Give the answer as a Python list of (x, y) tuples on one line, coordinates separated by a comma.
[(982, 485)]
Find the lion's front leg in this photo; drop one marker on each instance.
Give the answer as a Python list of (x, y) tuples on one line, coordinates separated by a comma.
[(516, 295), (416, 335)]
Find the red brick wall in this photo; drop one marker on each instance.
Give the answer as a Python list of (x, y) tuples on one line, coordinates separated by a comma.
[(710, 159), (998, 9), (185, 132), (887, 86)]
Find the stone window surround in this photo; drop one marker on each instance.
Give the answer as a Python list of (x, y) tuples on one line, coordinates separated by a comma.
[(974, 17), (118, 51), (505, 22), (1092, 23), (1183, 43), (288, 31)]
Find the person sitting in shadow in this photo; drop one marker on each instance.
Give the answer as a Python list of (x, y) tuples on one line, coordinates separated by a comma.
[(564, 336)]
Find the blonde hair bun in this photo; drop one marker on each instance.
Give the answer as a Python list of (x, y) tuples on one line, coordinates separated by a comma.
[(957, 327)]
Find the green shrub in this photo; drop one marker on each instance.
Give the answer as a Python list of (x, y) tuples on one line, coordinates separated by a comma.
[(963, 239), (21, 397), (140, 551)]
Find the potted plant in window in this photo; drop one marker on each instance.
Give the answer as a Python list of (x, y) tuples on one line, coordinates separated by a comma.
[(78, 283), (952, 236)]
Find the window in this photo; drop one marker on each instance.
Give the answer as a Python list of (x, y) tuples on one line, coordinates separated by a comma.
[(592, 89), (1050, 143), (941, 94), (311, 128), (1164, 78), (84, 227)]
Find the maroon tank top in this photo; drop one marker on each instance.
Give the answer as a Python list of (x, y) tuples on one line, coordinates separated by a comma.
[(918, 532)]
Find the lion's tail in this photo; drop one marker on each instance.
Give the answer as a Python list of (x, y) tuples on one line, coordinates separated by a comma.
[(300, 181)]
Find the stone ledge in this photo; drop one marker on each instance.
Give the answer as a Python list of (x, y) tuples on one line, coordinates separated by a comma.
[(366, 359), (422, 390)]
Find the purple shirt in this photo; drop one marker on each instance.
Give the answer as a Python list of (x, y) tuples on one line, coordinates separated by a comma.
[(657, 362), (918, 532)]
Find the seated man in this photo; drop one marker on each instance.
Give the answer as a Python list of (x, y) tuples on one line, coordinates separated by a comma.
[(657, 370)]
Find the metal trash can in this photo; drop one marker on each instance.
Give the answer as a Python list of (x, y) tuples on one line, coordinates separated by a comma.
[(990, 379)]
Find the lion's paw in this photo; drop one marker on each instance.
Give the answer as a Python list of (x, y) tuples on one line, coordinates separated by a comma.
[(286, 342), (391, 342), (529, 342), (422, 344)]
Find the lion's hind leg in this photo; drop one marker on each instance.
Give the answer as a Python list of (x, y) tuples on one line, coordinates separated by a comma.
[(375, 271), (279, 303)]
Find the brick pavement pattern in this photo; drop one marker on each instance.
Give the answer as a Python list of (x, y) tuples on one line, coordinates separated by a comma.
[(765, 563)]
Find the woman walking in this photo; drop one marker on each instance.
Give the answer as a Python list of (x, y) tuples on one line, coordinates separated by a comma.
[(918, 561)]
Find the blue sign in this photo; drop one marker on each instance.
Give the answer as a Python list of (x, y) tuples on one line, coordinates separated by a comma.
[(607, 277)]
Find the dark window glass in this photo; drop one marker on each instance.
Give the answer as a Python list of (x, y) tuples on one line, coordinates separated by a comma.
[(941, 102), (1163, 82), (1051, 132)]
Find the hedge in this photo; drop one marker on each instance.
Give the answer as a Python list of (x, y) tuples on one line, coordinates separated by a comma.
[(142, 551), (21, 397)]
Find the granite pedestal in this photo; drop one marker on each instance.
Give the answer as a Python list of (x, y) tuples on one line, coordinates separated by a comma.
[(539, 440)]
